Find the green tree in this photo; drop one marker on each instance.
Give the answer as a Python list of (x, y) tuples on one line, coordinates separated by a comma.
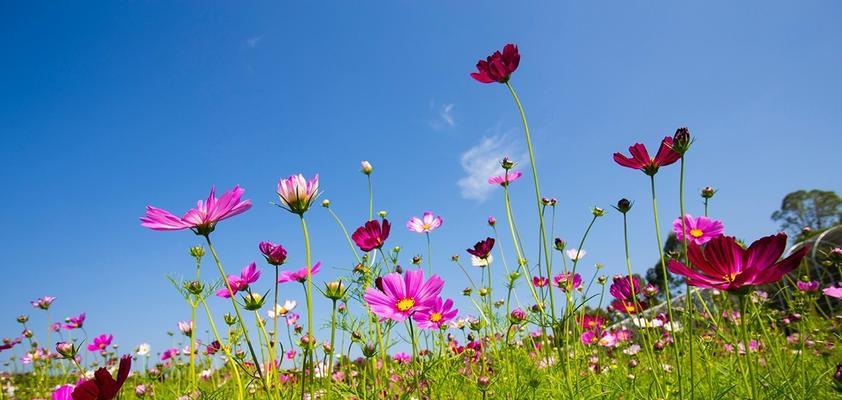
[(815, 209)]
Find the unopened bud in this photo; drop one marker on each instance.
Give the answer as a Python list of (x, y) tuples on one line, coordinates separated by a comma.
[(197, 251), (366, 168), (326, 203)]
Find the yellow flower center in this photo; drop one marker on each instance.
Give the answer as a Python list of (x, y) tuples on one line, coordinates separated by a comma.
[(630, 308), (730, 277), (405, 304), (425, 227), (696, 233), (435, 317)]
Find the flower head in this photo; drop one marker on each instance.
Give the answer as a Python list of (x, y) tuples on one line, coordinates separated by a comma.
[(505, 179), (698, 230), (482, 249), (297, 194), (300, 275), (725, 265), (540, 281), (807, 286), (75, 322), (833, 291), (63, 392), (100, 343), (576, 254), (498, 67), (43, 302), (203, 219), (143, 349), (103, 386), (275, 254), (641, 160), (399, 296), (437, 315), (372, 235), (567, 281), (425, 224), (625, 288), (250, 274)]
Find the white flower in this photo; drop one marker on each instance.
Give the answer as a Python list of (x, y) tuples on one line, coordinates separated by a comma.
[(280, 310), (143, 349), (206, 374), (632, 350), (576, 254), (481, 262), (672, 326)]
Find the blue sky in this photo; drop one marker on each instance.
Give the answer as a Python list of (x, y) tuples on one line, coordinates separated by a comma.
[(105, 108)]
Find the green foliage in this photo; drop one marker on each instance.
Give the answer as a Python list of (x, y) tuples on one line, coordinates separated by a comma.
[(815, 209)]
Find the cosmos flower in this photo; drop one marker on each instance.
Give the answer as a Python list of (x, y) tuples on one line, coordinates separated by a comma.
[(725, 265), (250, 274), (482, 249), (143, 349), (100, 343), (833, 291), (275, 254), (298, 194), (75, 322), (576, 254), (281, 310), (437, 315), (505, 179), (300, 275), (168, 354), (807, 287), (540, 281), (425, 224), (498, 67), (186, 327), (592, 322), (63, 392), (700, 230), (43, 302), (372, 235), (640, 157), (201, 220), (398, 297), (103, 386), (567, 281)]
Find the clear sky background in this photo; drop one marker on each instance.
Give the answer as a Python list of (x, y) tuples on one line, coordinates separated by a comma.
[(107, 107)]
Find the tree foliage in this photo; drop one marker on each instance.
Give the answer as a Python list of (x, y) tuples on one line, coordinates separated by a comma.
[(814, 209)]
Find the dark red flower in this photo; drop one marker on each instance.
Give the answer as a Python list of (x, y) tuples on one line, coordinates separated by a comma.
[(372, 235), (103, 386), (640, 157), (498, 67), (482, 248), (275, 254)]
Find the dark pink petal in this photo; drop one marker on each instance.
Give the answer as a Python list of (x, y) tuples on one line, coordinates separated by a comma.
[(619, 158), (765, 251), (666, 155)]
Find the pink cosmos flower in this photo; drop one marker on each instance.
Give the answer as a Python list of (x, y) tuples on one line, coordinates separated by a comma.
[(300, 275), (275, 254), (567, 281), (100, 343), (63, 392), (43, 302), (298, 194), (592, 322), (833, 291), (250, 274), (505, 179), (498, 67), (811, 286), (292, 318), (540, 281), (372, 235), (640, 157), (624, 288), (700, 230), (201, 220), (75, 322), (437, 315), (168, 354), (398, 297), (723, 264), (425, 224), (402, 358)]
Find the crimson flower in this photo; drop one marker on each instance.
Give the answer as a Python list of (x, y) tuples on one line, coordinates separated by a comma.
[(275, 254), (103, 386), (641, 160), (372, 235), (482, 249), (725, 265), (498, 67)]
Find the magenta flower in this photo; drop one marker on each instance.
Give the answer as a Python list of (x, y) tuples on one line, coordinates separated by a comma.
[(100, 343), (103, 386), (372, 235), (505, 179), (43, 302), (623, 288), (63, 392), (592, 322), (640, 157), (833, 291), (398, 297), (699, 230), (75, 322), (811, 286), (300, 275), (298, 194), (425, 224), (168, 354), (725, 265), (498, 67), (437, 315), (402, 358), (201, 220), (540, 281), (567, 281), (250, 274), (275, 254)]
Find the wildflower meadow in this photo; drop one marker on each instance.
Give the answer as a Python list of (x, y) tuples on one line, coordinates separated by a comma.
[(521, 313)]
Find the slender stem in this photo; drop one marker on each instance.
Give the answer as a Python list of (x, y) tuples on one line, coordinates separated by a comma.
[(274, 342), (310, 303), (347, 236), (688, 319), (666, 281), (429, 254), (226, 350), (370, 199), (744, 321), (521, 261), (332, 337)]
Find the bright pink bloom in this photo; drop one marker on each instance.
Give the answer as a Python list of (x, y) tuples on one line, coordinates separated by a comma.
[(63, 392), (723, 264), (540, 281), (43, 302), (811, 286), (624, 288), (425, 224), (100, 343), (372, 235), (300, 275), (250, 274), (275, 254), (75, 322), (103, 386), (833, 291), (640, 157), (592, 322), (401, 296), (169, 353), (700, 230), (567, 281), (203, 219), (437, 315), (505, 179), (402, 358), (498, 67), (628, 306), (297, 194)]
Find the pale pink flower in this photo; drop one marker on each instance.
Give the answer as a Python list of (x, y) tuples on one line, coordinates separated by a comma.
[(298, 194), (425, 224), (505, 179)]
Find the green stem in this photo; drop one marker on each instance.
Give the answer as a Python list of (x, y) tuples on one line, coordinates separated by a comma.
[(310, 302), (370, 199), (225, 350), (429, 254), (688, 319), (347, 236), (744, 321), (332, 337), (521, 261)]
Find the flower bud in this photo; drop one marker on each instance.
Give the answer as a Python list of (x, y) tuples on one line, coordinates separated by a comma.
[(326, 203), (623, 206), (454, 258), (27, 333), (553, 202), (602, 279), (545, 201), (483, 292), (559, 244), (23, 318), (369, 350), (229, 319), (708, 192), (499, 303), (342, 308), (197, 251), (483, 382), (514, 276), (681, 140), (66, 349), (334, 290), (507, 163), (327, 348), (356, 336), (492, 221), (517, 316), (194, 287), (253, 301), (466, 291), (382, 213), (416, 260), (477, 324), (365, 167), (598, 212), (360, 269)]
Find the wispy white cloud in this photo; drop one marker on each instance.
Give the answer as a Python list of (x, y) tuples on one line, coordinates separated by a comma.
[(483, 160), (254, 41), (444, 118)]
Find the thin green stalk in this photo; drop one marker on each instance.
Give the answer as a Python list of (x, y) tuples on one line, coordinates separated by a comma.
[(370, 199), (429, 254), (744, 321), (332, 337), (310, 304), (225, 350), (347, 236), (521, 260), (688, 320)]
